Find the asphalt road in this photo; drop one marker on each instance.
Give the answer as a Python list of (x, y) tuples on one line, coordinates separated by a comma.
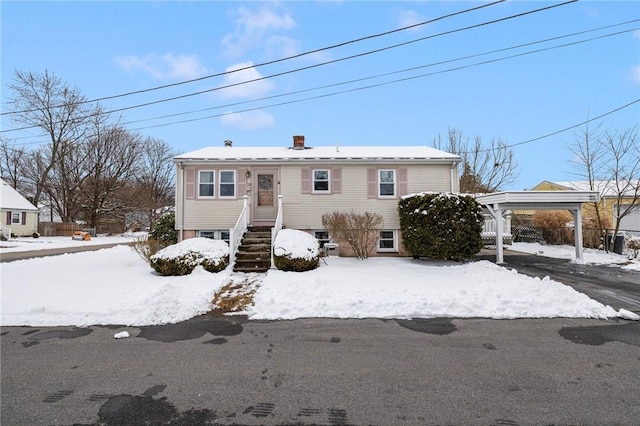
[(231, 371)]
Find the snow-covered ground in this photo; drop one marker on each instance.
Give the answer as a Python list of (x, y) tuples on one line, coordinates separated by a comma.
[(115, 286)]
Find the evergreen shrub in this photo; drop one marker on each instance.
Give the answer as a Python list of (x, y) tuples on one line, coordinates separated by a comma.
[(296, 251), (182, 258), (441, 225)]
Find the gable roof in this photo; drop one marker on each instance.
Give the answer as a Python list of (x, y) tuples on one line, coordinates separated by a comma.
[(320, 153), (10, 199), (605, 188)]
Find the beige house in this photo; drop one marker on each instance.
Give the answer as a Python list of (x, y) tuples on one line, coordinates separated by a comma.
[(17, 215), (220, 191)]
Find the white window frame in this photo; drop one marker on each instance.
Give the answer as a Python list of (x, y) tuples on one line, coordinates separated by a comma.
[(394, 183), (221, 183), (213, 183), (314, 180), (215, 234), (16, 218), (394, 239), (322, 241)]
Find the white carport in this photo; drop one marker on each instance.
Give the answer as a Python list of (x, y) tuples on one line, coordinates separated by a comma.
[(499, 202)]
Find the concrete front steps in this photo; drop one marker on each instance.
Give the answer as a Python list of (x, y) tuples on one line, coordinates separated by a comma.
[(254, 253)]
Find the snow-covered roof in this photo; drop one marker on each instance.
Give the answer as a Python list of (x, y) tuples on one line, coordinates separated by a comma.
[(326, 153), (11, 199), (604, 187)]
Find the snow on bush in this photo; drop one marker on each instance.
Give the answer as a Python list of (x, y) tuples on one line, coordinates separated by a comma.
[(183, 257), (296, 251)]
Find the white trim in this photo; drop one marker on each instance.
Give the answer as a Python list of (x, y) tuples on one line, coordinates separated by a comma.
[(233, 182), (212, 183), (395, 183), (313, 181), (393, 249)]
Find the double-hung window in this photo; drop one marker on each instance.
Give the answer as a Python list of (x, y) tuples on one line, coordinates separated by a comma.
[(387, 241), (321, 180), (227, 183), (387, 183), (16, 218), (206, 183)]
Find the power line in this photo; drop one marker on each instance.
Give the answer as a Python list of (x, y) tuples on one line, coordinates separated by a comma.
[(407, 69), (402, 79), (321, 64), (299, 55)]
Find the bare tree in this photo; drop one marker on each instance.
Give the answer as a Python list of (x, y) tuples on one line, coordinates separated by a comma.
[(155, 180), (112, 156), (485, 167), (12, 160), (610, 162), (43, 101), (622, 166)]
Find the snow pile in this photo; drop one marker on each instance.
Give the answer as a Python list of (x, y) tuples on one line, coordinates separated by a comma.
[(404, 288), (206, 248), (296, 244), (593, 256), (108, 286)]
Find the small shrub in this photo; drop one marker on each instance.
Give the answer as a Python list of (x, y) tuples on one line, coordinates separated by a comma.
[(164, 230), (296, 251), (182, 258), (443, 226), (359, 230), (554, 226), (633, 245), (147, 247)]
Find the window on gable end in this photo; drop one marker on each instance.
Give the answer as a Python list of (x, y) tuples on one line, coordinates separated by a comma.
[(321, 179)]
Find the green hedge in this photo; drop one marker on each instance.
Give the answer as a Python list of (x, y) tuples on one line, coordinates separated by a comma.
[(441, 225), (295, 264), (186, 263)]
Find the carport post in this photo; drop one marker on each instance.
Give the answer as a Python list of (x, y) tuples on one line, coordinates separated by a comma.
[(497, 217), (577, 226)]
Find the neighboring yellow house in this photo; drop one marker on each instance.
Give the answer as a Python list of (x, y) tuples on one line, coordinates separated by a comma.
[(609, 200), (17, 215)]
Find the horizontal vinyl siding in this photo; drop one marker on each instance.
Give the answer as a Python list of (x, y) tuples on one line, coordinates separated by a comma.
[(304, 211)]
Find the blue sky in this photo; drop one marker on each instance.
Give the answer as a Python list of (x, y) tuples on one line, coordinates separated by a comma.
[(404, 95)]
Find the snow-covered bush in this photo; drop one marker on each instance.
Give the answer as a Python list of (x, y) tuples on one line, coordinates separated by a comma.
[(633, 245), (296, 251), (183, 257), (441, 225), (164, 230)]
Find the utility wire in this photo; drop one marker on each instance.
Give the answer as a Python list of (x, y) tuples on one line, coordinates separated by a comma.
[(402, 79), (400, 71), (369, 37), (323, 63), (371, 86)]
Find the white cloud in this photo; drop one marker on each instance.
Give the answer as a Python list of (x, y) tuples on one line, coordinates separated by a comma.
[(164, 67), (253, 27), (249, 120), (410, 17), (634, 74), (248, 90)]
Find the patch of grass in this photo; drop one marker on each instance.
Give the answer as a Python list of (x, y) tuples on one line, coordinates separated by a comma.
[(235, 296)]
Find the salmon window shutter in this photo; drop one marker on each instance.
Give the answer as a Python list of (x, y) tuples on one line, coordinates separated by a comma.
[(241, 183), (402, 182), (306, 181), (336, 181), (372, 183), (190, 187), (24, 218)]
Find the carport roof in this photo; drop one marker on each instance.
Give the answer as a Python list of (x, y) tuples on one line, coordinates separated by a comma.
[(497, 202)]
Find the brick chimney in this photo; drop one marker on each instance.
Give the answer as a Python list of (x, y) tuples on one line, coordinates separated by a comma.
[(298, 142), (228, 143)]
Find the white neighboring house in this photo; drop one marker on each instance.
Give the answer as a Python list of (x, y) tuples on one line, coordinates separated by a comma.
[(17, 215)]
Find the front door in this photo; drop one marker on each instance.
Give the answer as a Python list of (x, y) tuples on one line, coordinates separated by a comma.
[(265, 198)]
